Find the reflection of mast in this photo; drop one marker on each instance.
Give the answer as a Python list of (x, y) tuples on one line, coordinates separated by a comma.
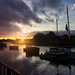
[(57, 71), (57, 67), (69, 69), (68, 23)]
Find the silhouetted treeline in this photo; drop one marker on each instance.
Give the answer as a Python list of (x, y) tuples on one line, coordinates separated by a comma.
[(51, 39)]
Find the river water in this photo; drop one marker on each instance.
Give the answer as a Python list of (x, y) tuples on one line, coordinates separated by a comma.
[(34, 65)]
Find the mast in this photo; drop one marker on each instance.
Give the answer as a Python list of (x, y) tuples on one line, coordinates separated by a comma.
[(68, 24), (15, 38), (57, 30), (15, 35)]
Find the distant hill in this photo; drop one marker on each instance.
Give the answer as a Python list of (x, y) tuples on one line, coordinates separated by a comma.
[(59, 32), (50, 39)]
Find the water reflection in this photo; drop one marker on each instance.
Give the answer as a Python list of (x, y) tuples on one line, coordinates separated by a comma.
[(34, 65)]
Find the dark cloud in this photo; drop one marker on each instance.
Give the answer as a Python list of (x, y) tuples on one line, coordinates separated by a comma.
[(8, 28), (55, 4), (44, 6), (12, 11), (69, 1)]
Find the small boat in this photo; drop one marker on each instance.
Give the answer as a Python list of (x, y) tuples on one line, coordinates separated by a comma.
[(13, 48), (31, 51), (2, 45)]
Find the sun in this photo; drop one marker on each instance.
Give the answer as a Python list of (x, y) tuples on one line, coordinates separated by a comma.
[(22, 38)]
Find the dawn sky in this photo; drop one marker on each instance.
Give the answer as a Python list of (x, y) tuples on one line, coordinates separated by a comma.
[(25, 16)]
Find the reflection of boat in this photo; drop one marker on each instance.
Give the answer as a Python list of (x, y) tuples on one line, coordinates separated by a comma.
[(65, 64), (59, 53)]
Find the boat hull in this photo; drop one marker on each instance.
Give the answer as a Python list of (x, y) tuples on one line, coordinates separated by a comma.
[(71, 56), (67, 57), (54, 57)]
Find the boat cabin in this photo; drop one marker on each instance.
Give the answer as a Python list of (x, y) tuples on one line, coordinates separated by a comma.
[(65, 50)]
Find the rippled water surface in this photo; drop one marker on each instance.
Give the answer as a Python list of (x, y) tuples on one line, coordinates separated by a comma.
[(34, 65)]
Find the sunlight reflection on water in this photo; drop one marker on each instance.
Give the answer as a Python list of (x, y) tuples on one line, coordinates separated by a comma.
[(34, 65)]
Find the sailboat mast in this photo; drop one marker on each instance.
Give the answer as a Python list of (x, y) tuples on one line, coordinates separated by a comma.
[(57, 30), (68, 23)]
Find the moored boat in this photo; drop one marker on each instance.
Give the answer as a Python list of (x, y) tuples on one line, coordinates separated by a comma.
[(31, 51), (56, 53), (60, 53), (13, 48), (2, 45)]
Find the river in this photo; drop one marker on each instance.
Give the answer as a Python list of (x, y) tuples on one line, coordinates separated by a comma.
[(34, 65)]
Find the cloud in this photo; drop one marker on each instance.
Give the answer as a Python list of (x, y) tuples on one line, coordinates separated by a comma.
[(7, 28), (73, 7), (12, 11), (26, 11), (48, 8), (46, 4)]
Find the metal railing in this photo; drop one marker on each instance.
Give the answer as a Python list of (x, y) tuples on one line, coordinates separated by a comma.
[(7, 70)]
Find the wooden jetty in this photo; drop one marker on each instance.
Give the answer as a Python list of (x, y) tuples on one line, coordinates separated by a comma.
[(7, 70)]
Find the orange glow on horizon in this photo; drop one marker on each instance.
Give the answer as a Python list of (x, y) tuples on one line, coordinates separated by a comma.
[(13, 38)]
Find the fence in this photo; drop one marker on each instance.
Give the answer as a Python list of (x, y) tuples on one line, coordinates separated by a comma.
[(7, 70)]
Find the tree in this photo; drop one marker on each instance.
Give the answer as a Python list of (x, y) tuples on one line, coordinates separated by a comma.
[(40, 39)]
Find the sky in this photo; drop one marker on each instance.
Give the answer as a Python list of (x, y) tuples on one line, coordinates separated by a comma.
[(26, 16)]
